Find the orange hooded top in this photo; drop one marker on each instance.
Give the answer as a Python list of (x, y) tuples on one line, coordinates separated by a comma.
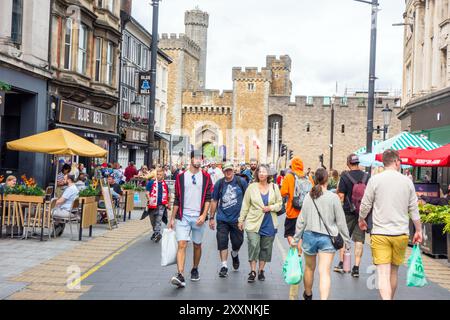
[(288, 185)]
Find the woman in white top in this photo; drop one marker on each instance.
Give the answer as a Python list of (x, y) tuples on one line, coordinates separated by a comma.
[(316, 239)]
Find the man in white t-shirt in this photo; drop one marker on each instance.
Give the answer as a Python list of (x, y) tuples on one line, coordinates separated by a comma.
[(64, 204), (215, 173), (193, 191)]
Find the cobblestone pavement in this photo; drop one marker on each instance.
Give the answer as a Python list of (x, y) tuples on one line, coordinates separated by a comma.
[(125, 264)]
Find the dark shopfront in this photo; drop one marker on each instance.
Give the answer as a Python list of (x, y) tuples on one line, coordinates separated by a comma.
[(23, 112), (429, 116), (97, 126)]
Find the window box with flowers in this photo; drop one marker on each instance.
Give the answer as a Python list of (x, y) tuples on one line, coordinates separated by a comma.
[(136, 119), (144, 120), (126, 115)]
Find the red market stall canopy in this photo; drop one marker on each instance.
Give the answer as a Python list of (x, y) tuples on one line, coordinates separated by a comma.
[(407, 155), (59, 142), (419, 157), (439, 157)]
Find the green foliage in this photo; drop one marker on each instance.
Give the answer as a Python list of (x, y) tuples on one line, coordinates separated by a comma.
[(25, 190), (89, 192), (4, 86), (435, 215), (128, 186), (139, 189)]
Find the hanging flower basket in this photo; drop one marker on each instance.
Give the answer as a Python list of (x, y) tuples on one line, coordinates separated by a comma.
[(144, 120), (126, 115), (136, 119)]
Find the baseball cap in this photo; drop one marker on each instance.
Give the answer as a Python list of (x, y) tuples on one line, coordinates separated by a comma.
[(353, 159), (227, 166)]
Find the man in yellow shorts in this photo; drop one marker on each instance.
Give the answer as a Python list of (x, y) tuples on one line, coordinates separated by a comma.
[(393, 199)]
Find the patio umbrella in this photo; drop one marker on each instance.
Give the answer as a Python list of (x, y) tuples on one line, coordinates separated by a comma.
[(399, 142), (439, 157), (59, 142), (407, 155)]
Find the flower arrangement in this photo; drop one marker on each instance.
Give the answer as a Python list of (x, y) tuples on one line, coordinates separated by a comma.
[(27, 187), (92, 190), (136, 119), (144, 120), (126, 115)]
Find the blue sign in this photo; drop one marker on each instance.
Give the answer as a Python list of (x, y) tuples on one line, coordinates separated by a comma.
[(144, 83)]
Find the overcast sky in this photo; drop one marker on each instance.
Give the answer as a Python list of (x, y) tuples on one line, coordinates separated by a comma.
[(327, 40)]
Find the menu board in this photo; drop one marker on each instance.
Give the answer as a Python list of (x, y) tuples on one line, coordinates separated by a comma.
[(427, 189), (108, 204)]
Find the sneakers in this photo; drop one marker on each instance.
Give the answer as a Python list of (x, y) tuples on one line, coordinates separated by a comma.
[(261, 276), (178, 281), (223, 273), (251, 277), (195, 275), (236, 262), (340, 267), (158, 237), (355, 272), (153, 236), (306, 297)]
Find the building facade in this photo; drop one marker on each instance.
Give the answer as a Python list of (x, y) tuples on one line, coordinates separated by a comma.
[(24, 75), (426, 72), (134, 108), (85, 66)]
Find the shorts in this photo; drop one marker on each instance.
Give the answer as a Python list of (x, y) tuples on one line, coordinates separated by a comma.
[(289, 227), (230, 231), (314, 242), (355, 232), (259, 247), (187, 230), (62, 214), (388, 249)]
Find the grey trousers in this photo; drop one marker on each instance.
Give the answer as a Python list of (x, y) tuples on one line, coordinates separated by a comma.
[(156, 216)]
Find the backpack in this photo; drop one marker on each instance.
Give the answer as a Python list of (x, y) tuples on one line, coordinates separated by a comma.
[(301, 188), (359, 187)]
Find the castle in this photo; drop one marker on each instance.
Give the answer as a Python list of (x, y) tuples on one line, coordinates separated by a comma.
[(254, 118)]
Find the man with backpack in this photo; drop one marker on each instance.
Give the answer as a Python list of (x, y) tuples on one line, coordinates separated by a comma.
[(227, 199), (296, 185), (351, 192)]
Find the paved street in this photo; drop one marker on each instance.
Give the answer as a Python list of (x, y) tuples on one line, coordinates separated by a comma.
[(137, 274)]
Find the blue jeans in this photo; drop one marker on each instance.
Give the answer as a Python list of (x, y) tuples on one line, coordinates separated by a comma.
[(314, 243)]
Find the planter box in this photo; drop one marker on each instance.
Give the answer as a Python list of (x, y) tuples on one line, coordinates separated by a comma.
[(23, 198), (448, 247), (89, 213), (434, 242)]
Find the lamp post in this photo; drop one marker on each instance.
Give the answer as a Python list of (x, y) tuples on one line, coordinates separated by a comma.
[(387, 115), (151, 109), (372, 77), (333, 99)]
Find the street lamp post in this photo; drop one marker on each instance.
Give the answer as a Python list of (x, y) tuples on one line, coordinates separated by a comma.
[(151, 109), (333, 99), (387, 115), (372, 77)]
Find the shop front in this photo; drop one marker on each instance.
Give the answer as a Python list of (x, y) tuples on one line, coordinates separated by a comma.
[(133, 147), (23, 112), (97, 126)]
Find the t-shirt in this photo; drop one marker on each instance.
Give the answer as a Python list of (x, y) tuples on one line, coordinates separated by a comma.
[(160, 190), (346, 187), (230, 204), (70, 194), (267, 228), (116, 188), (192, 194)]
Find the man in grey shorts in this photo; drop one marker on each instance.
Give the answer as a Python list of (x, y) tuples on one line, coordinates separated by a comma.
[(345, 189)]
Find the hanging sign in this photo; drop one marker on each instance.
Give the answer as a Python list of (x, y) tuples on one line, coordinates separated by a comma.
[(144, 83)]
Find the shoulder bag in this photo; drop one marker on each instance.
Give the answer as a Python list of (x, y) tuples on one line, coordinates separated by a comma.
[(338, 241)]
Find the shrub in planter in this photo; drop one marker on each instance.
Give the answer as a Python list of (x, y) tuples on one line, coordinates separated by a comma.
[(434, 223)]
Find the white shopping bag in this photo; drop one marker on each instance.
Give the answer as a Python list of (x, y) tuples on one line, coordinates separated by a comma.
[(169, 248)]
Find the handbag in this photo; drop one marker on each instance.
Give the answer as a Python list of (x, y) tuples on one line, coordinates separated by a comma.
[(337, 241)]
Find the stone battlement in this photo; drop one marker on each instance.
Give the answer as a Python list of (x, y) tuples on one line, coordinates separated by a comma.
[(226, 110), (325, 102), (196, 17), (208, 98), (251, 74), (284, 62), (179, 42)]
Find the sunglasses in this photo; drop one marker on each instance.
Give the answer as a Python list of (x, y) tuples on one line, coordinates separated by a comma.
[(194, 181)]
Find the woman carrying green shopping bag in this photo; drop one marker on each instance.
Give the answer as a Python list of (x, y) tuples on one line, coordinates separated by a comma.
[(322, 227)]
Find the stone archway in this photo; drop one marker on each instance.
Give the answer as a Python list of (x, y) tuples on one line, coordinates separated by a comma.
[(207, 139)]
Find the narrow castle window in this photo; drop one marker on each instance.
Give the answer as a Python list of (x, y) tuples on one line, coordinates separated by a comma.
[(251, 86), (308, 127), (343, 128)]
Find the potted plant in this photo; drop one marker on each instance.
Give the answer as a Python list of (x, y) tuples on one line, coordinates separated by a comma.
[(126, 115), (26, 191), (446, 231), (434, 219)]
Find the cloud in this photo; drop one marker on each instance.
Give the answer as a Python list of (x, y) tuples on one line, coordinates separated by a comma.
[(327, 40)]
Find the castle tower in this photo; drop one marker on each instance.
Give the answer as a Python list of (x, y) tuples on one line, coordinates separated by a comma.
[(196, 28), (281, 75), (251, 90)]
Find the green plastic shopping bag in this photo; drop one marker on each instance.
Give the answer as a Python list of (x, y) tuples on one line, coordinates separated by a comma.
[(415, 276), (292, 268)]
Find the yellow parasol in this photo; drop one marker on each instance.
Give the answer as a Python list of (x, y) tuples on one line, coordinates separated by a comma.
[(59, 142)]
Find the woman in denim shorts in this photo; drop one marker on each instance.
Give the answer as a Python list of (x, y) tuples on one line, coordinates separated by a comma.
[(316, 240)]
